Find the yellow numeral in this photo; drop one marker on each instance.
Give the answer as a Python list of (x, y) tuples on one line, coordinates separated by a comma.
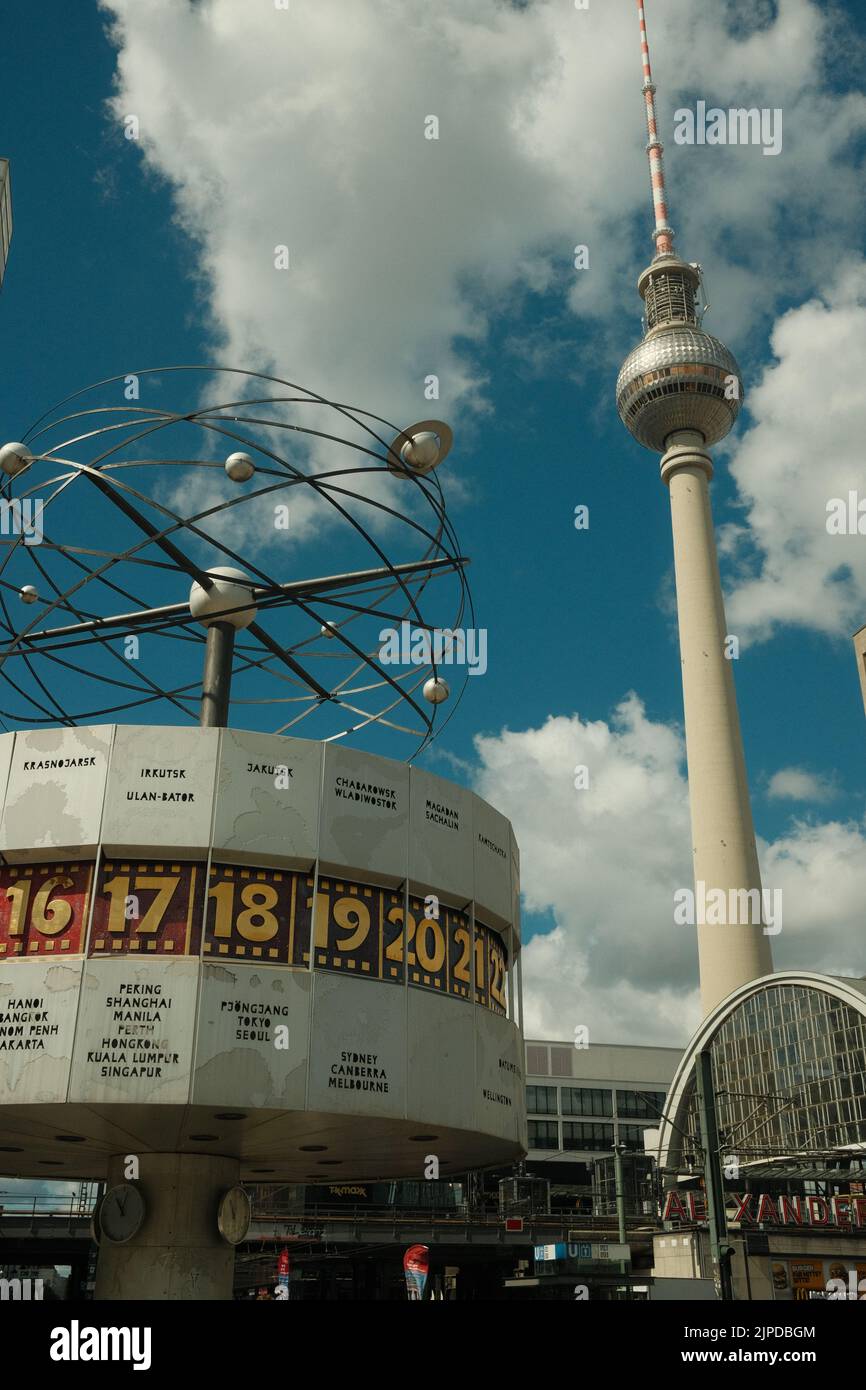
[(118, 890), (461, 967), (257, 899), (431, 961), (395, 950), (51, 918), (19, 895), (353, 916), (164, 893)]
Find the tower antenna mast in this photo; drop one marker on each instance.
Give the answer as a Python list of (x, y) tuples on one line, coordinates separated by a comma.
[(663, 233)]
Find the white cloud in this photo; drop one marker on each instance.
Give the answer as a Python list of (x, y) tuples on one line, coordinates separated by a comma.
[(604, 863), (797, 784), (306, 128), (804, 449), (821, 871)]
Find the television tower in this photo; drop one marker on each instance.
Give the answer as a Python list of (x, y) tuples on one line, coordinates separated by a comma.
[(679, 392)]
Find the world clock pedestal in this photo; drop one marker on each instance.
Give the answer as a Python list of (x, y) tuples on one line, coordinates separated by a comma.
[(178, 1252)]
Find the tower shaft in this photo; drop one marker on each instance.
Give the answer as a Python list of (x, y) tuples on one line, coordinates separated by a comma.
[(723, 835)]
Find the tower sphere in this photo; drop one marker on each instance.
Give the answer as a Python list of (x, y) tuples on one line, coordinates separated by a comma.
[(678, 378), (231, 589)]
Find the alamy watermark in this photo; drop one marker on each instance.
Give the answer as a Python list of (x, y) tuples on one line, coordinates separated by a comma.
[(736, 126), (22, 517), (846, 516), (18, 1289), (444, 646), (77, 1343), (849, 1287), (723, 907)]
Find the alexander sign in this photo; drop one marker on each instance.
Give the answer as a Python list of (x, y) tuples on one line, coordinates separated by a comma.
[(758, 1208)]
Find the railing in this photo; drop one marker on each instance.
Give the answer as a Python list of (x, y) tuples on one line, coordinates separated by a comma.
[(311, 1216), (77, 1206), (461, 1215)]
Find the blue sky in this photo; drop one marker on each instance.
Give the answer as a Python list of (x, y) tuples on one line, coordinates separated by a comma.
[(124, 256)]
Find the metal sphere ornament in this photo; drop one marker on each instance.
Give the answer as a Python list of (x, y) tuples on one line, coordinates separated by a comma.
[(436, 690), (227, 601), (417, 451), (145, 538), (14, 458), (240, 467), (423, 452)]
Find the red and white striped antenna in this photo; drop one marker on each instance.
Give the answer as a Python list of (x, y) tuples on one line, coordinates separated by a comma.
[(663, 234)]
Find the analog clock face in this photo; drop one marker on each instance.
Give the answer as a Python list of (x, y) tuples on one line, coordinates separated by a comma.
[(95, 1228), (121, 1213), (234, 1214)]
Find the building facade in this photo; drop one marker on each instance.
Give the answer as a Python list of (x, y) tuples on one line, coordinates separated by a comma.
[(580, 1102), (789, 1080)]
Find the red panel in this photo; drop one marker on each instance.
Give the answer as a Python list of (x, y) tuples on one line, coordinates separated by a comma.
[(43, 909), (151, 908)]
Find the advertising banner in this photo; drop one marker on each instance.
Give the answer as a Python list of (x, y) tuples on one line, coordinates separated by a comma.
[(416, 1265), (804, 1279), (282, 1290)]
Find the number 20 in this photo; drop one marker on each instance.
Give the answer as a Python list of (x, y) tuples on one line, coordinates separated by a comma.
[(431, 961)]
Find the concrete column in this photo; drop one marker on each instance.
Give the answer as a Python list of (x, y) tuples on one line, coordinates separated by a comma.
[(723, 834), (178, 1253)]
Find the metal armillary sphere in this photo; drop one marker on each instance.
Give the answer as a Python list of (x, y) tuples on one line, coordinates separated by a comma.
[(149, 539)]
